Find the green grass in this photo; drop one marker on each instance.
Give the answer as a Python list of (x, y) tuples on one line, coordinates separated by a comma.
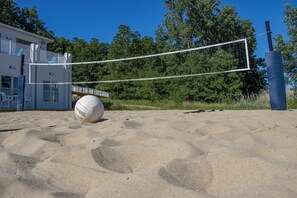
[(292, 102), (259, 102)]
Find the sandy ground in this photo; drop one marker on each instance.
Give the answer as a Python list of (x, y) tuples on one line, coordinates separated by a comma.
[(149, 154)]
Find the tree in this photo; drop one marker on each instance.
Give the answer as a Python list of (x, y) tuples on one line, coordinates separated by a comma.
[(60, 45), (194, 23), (126, 43), (187, 24), (289, 47), (23, 18), (83, 51), (190, 23), (9, 13)]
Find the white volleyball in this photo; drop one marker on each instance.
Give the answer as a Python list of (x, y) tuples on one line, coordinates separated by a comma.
[(89, 109)]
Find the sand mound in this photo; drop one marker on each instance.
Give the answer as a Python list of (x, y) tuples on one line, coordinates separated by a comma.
[(149, 154), (193, 174)]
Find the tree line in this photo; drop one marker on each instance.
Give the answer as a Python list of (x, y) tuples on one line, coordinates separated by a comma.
[(289, 47), (187, 24)]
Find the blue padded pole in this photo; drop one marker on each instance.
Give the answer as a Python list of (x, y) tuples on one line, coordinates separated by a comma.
[(276, 82)]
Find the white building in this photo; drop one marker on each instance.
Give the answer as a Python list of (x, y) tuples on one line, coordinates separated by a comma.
[(13, 43)]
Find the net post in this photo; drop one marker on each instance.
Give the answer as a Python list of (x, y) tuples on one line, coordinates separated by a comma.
[(269, 38), (247, 54), (67, 57), (275, 75), (276, 82), (32, 60)]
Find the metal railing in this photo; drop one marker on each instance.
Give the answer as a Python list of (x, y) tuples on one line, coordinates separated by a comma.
[(85, 91), (51, 57), (17, 49), (9, 102)]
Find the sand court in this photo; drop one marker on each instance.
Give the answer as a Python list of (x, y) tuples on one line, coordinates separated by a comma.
[(149, 154)]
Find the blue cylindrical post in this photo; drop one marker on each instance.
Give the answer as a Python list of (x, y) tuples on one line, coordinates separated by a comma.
[(276, 82)]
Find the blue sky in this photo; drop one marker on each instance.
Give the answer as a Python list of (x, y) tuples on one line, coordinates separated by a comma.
[(100, 18)]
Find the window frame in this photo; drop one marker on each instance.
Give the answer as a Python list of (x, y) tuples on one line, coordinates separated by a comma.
[(50, 92), (12, 90)]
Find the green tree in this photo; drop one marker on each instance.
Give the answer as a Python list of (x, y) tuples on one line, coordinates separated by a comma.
[(60, 45), (126, 43), (9, 13), (194, 23), (289, 47), (83, 51), (23, 18)]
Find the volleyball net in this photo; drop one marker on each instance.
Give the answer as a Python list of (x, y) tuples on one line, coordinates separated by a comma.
[(214, 59)]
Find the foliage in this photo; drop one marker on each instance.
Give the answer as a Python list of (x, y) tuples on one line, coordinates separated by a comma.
[(289, 47), (127, 43), (60, 45), (187, 24), (85, 51), (196, 23), (244, 104), (260, 101), (23, 18)]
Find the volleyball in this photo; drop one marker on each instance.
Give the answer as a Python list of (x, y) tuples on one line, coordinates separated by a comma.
[(89, 109)]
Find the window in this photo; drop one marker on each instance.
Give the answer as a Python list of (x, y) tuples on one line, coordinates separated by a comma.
[(9, 85), (9, 45), (22, 47), (23, 42), (50, 92), (6, 85)]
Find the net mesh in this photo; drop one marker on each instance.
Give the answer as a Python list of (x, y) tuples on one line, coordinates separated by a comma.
[(206, 60)]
